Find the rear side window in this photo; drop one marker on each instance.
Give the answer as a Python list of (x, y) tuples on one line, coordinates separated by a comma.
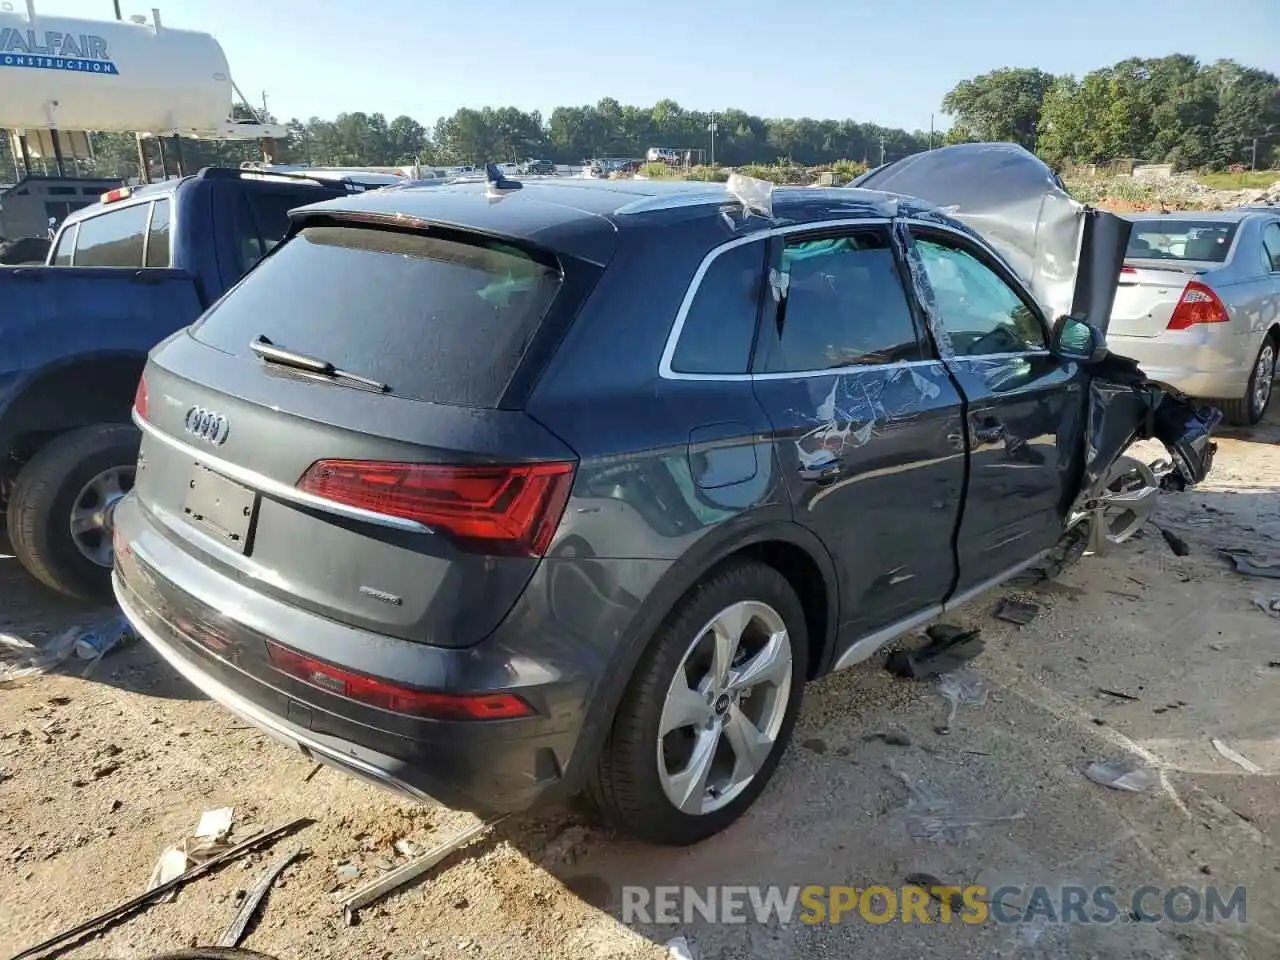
[(434, 318), (113, 239), (845, 306), (158, 236), (66, 243), (1205, 240), (721, 322)]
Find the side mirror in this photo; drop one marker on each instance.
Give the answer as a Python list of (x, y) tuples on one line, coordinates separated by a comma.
[(1075, 339)]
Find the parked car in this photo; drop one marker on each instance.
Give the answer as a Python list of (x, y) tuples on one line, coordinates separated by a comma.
[(122, 275), (540, 167), (1199, 305), (645, 458)]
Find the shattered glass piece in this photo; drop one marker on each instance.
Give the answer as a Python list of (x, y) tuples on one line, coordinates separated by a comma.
[(1128, 780), (929, 817), (1239, 759), (755, 195)]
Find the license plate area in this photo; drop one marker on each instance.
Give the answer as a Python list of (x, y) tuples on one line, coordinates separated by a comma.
[(221, 507)]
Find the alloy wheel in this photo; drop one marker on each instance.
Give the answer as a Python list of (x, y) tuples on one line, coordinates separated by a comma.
[(724, 708), (1264, 373), (1130, 492), (90, 529)]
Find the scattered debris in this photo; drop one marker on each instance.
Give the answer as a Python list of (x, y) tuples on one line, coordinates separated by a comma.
[(96, 643), (348, 871), (893, 738), (931, 884), (407, 848), (235, 932), (1175, 542), (312, 772), (1269, 606), (397, 878), (208, 840), (1127, 779), (1120, 695), (949, 648), (1020, 612), (1238, 759), (960, 688), (678, 948), (1126, 596), (214, 824), (154, 896), (21, 659), (1246, 563), (930, 817)]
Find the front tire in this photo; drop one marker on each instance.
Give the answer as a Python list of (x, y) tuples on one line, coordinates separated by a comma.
[(709, 711), (56, 514), (1252, 407)]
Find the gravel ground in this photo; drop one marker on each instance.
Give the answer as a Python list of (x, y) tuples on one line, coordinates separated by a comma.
[(99, 774)]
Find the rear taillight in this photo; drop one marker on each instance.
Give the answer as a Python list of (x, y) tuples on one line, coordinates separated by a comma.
[(141, 402), (391, 696), (496, 509), (1198, 304), (1128, 270)]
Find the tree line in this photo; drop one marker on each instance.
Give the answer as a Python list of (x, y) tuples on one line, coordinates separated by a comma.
[(1168, 109), (1161, 110)]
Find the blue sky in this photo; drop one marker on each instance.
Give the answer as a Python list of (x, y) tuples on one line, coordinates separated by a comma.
[(888, 63)]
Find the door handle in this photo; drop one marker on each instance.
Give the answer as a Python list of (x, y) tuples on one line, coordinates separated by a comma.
[(824, 472)]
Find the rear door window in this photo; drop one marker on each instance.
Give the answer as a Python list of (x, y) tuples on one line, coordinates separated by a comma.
[(1271, 247), (845, 306), (440, 318), (113, 239)]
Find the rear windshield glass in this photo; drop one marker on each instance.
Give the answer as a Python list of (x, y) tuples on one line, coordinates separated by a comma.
[(433, 318), (1181, 240)]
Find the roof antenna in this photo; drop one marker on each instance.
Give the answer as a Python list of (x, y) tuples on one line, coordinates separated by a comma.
[(496, 183)]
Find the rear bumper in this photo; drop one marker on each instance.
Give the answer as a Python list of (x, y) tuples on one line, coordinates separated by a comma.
[(1212, 366), (213, 629)]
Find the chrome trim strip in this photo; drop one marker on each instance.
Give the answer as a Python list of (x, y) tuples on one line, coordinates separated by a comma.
[(251, 713), (992, 582), (868, 645), (274, 488), (872, 642)]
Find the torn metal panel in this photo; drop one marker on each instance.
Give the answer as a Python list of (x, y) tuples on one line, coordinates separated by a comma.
[(1124, 406), (1068, 254)]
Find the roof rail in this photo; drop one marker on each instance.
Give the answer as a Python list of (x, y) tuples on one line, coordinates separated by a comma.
[(258, 173)]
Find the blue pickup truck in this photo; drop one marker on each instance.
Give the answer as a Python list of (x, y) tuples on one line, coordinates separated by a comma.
[(121, 276)]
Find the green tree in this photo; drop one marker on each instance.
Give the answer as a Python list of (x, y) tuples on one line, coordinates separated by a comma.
[(1003, 105)]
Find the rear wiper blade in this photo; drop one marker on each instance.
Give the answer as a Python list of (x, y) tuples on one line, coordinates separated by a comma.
[(269, 352)]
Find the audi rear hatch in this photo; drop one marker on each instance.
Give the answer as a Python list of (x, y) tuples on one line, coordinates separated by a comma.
[(339, 431)]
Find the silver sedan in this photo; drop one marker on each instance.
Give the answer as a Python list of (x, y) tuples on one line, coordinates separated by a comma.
[(1198, 305)]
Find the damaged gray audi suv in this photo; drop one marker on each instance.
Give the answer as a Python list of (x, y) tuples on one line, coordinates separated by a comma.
[(496, 492)]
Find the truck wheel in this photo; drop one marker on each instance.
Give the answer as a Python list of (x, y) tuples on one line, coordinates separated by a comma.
[(1252, 407), (56, 515), (709, 711)]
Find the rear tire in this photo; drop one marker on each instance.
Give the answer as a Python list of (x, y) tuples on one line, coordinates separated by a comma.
[(1252, 407), (57, 482), (632, 785)]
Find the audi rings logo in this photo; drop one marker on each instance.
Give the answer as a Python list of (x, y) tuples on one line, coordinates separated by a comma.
[(208, 426)]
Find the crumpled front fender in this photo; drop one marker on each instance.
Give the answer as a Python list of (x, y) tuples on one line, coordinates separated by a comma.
[(1124, 407)]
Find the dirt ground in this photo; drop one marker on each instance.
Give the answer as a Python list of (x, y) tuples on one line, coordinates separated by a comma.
[(99, 774)]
